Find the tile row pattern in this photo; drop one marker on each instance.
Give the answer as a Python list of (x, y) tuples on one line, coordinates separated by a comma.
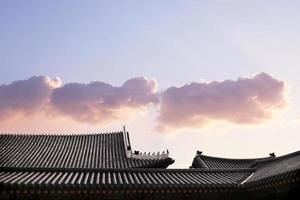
[(122, 178), (269, 172), (101, 161), (72, 151), (277, 169)]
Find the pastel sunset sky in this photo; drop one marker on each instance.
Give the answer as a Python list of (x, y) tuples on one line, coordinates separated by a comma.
[(222, 77)]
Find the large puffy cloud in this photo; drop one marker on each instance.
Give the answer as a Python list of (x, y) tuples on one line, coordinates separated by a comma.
[(244, 101), (25, 97), (96, 102), (99, 102)]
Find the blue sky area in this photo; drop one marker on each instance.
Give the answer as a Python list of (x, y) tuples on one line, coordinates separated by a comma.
[(175, 42)]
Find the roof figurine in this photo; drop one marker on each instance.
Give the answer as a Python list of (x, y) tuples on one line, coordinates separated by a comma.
[(272, 155)]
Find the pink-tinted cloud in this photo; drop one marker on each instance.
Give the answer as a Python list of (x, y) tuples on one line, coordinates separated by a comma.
[(25, 97), (244, 101), (99, 102), (96, 102)]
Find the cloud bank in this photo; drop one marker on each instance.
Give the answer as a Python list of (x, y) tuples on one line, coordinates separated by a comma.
[(244, 101)]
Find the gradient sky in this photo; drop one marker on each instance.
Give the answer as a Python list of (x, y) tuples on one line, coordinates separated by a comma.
[(174, 42)]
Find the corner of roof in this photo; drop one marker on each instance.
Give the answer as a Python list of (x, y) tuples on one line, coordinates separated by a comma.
[(164, 155)]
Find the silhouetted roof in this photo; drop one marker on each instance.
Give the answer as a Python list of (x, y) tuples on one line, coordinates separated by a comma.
[(115, 178), (103, 164), (264, 168), (279, 168), (276, 175), (92, 151), (211, 162)]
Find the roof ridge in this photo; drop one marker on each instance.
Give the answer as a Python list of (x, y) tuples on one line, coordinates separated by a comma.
[(271, 159), (150, 155), (234, 159), (125, 169), (60, 134)]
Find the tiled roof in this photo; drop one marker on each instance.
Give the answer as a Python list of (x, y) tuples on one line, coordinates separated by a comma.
[(103, 165), (210, 162), (93, 151), (273, 176), (279, 168), (121, 178)]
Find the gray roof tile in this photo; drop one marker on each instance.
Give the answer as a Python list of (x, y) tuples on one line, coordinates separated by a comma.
[(74, 151)]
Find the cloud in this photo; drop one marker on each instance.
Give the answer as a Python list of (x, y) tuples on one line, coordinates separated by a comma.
[(25, 97), (244, 101), (99, 102), (96, 102)]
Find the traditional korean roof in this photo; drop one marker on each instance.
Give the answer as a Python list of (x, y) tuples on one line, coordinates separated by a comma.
[(272, 177), (103, 166), (91, 151), (276, 178), (211, 162), (121, 178), (279, 168), (264, 169)]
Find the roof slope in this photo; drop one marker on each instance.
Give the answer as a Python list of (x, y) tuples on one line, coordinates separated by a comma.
[(275, 169), (210, 162), (272, 178), (93, 151), (264, 169), (116, 178)]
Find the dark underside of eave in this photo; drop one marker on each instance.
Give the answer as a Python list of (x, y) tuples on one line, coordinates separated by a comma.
[(280, 192)]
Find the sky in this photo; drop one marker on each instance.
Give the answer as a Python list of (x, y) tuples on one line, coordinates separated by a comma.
[(221, 77)]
